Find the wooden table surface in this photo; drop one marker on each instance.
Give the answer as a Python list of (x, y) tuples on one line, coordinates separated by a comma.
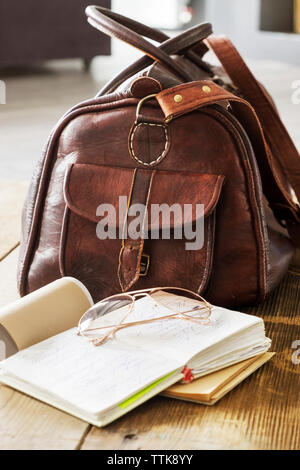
[(262, 413)]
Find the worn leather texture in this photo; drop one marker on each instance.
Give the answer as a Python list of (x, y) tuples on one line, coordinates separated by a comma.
[(209, 147)]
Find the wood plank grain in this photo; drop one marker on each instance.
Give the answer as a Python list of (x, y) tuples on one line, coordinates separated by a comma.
[(29, 424), (262, 413), (12, 196)]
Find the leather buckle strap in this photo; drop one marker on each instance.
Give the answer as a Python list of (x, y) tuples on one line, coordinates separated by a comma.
[(131, 254)]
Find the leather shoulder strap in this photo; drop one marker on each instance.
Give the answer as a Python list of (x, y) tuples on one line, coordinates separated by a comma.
[(202, 93), (284, 155)]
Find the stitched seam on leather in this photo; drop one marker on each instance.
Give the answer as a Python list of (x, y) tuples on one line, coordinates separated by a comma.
[(207, 256), (161, 156), (231, 128), (253, 204), (69, 201), (216, 192), (258, 223), (62, 241), (45, 176), (30, 203), (262, 232)]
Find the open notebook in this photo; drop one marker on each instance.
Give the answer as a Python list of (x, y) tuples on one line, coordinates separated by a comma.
[(99, 384)]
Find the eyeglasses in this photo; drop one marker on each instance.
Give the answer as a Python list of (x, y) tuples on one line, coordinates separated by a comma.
[(105, 318)]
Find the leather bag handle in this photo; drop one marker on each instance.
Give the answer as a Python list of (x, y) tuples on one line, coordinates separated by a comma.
[(132, 32), (171, 46)]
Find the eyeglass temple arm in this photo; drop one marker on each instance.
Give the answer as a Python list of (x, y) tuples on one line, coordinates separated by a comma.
[(143, 322)]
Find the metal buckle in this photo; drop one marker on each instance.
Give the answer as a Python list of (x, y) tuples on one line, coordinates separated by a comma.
[(144, 264)]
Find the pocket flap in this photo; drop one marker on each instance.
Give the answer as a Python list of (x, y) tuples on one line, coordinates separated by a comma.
[(87, 186)]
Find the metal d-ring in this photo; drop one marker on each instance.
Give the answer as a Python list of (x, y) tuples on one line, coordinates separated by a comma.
[(140, 104), (157, 159)]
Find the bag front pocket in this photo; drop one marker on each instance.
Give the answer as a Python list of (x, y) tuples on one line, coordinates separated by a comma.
[(163, 253)]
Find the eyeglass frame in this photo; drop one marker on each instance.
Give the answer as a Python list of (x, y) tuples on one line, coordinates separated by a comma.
[(132, 295)]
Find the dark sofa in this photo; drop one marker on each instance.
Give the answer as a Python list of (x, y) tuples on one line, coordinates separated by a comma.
[(37, 30)]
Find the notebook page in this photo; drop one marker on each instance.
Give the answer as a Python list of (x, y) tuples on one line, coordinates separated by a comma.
[(91, 378), (181, 339)]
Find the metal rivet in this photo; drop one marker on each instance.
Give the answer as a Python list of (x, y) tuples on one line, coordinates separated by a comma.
[(178, 98), (206, 89)]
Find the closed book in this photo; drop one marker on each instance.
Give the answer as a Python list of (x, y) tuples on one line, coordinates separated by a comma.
[(209, 389)]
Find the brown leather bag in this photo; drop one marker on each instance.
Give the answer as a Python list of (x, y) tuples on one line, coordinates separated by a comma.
[(206, 135)]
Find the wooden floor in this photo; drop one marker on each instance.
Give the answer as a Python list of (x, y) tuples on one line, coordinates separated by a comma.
[(262, 413)]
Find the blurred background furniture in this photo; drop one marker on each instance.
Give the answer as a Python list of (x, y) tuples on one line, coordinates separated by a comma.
[(261, 29), (36, 30), (272, 25), (37, 96)]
